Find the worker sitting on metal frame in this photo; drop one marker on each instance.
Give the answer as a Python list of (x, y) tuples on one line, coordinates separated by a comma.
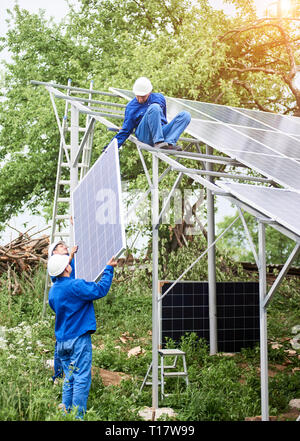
[(72, 301), (147, 115)]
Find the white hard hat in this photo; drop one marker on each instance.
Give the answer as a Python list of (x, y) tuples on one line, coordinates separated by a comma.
[(53, 246), (142, 86), (57, 264)]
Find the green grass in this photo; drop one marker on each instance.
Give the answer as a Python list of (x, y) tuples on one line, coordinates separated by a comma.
[(221, 388)]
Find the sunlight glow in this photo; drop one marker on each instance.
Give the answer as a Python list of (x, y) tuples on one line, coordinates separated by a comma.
[(296, 81), (275, 8)]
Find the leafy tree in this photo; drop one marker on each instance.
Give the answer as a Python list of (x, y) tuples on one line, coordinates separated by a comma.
[(187, 48), (262, 61), (278, 246), (106, 46)]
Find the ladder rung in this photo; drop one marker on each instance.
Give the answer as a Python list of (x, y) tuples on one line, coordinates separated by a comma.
[(66, 164), (62, 216), (62, 233), (171, 352), (149, 383), (175, 374), (63, 200), (81, 129), (64, 182)]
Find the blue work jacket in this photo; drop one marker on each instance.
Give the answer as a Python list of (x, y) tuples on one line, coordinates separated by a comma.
[(72, 302), (135, 111)]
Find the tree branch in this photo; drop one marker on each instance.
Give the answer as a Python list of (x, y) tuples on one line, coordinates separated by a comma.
[(249, 89)]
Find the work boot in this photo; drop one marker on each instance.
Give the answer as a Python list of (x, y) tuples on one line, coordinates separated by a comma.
[(161, 145), (175, 147)]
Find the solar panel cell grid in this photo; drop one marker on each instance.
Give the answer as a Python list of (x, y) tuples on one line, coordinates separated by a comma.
[(97, 213), (237, 313)]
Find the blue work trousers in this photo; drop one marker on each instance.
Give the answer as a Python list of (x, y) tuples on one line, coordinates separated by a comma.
[(150, 130), (58, 369), (76, 357)]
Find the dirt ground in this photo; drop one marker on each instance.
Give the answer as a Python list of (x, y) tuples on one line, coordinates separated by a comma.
[(108, 377)]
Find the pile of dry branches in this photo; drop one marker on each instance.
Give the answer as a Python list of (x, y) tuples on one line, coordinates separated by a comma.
[(21, 255)]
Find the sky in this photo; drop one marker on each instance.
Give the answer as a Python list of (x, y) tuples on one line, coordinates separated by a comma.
[(58, 9)]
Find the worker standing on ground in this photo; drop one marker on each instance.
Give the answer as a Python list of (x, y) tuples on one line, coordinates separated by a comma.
[(147, 115), (60, 247), (75, 321)]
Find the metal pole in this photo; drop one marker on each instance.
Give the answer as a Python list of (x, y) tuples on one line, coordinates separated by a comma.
[(155, 333), (73, 168), (213, 341), (263, 324)]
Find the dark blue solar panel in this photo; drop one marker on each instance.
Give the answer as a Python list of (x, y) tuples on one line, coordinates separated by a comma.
[(185, 309)]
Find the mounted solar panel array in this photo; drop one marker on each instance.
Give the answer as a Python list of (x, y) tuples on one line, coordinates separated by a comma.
[(282, 206), (268, 143), (98, 219), (185, 309)]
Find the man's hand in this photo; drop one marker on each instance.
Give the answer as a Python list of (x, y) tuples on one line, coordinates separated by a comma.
[(73, 251), (112, 262)]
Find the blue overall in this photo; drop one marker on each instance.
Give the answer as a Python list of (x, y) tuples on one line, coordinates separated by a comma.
[(72, 302), (150, 130), (58, 368), (76, 358), (149, 120)]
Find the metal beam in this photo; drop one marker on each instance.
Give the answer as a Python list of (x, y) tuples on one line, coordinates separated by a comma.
[(155, 333), (193, 155), (211, 261), (176, 183), (282, 274), (84, 140), (252, 246), (263, 323), (72, 88), (197, 260), (222, 175)]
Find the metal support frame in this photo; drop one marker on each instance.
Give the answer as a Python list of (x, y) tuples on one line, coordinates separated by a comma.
[(263, 322), (211, 259), (208, 159), (155, 333)]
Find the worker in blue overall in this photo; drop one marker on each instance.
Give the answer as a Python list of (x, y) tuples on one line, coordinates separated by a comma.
[(60, 247), (147, 115), (72, 301)]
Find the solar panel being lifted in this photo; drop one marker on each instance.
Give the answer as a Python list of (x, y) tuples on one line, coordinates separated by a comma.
[(97, 213)]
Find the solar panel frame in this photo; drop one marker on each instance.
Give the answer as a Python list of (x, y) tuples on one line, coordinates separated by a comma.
[(217, 112), (186, 309), (227, 138), (284, 123), (98, 242), (253, 118), (280, 205), (285, 171)]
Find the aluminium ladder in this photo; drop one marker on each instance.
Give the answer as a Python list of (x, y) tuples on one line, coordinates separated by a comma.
[(62, 210), (69, 154)]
